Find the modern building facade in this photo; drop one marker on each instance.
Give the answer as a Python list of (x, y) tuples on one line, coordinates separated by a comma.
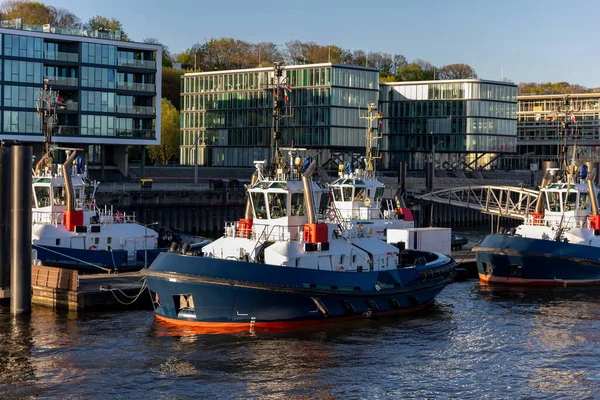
[(548, 123), (111, 87), (229, 113), (463, 124)]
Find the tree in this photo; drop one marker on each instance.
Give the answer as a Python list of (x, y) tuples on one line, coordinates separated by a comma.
[(167, 58), (168, 149), (31, 12), (98, 22), (456, 71), (171, 85), (65, 18)]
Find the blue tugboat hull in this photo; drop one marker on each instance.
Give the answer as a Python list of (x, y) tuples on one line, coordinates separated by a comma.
[(81, 259), (221, 294), (516, 260)]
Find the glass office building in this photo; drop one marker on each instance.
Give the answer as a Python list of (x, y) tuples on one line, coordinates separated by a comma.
[(467, 123), (539, 138), (230, 112), (111, 89)]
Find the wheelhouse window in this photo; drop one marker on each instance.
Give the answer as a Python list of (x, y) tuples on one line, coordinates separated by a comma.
[(348, 192), (553, 201), (60, 196), (378, 194), (260, 205), (359, 194), (297, 206), (42, 194), (337, 194), (570, 200), (277, 204)]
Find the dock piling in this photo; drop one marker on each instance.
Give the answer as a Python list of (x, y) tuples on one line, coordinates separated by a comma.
[(20, 249)]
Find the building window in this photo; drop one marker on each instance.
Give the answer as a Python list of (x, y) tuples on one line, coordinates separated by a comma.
[(20, 96), (21, 122), (23, 71), (22, 46)]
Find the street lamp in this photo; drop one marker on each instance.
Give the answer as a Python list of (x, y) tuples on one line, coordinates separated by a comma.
[(146, 242)]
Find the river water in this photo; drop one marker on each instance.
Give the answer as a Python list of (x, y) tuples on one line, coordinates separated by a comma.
[(474, 342)]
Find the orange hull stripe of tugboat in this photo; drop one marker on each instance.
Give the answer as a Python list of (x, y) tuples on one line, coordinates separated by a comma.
[(491, 279), (234, 327)]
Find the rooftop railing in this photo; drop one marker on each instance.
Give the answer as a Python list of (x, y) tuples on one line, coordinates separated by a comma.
[(51, 28)]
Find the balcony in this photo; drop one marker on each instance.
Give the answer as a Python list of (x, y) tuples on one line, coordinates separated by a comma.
[(136, 110), (137, 133), (61, 81), (60, 56), (137, 87), (125, 62), (72, 106), (65, 130)]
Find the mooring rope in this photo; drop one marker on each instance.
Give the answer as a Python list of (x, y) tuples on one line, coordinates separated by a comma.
[(134, 298)]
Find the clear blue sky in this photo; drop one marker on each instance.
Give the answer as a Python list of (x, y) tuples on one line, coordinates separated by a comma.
[(525, 40)]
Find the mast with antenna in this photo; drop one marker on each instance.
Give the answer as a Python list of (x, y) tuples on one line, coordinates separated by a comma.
[(282, 91), (371, 150), (47, 103)]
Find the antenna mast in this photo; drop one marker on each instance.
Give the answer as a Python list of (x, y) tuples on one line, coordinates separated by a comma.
[(371, 151), (47, 103), (282, 92)]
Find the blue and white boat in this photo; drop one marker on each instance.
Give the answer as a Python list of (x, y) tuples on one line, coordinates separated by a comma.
[(286, 264), (557, 245), (70, 230)]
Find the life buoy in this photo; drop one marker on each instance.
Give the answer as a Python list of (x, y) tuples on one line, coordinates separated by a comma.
[(367, 202), (340, 268), (93, 247), (331, 215), (91, 204), (118, 216)]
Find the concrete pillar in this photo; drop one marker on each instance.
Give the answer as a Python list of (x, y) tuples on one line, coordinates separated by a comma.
[(20, 249)]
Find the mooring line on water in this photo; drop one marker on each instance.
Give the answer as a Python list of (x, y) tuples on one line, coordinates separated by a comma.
[(134, 298)]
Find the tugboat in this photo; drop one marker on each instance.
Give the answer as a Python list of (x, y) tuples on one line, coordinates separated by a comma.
[(357, 196), (281, 266), (559, 243), (69, 229)]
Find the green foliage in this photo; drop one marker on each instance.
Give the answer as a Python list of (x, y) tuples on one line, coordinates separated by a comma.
[(532, 88), (171, 85), (168, 150), (98, 22), (456, 71)]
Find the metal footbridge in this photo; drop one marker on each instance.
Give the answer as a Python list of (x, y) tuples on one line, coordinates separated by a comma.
[(504, 201)]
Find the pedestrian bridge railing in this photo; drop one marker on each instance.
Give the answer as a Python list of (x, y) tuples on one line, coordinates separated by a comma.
[(505, 201)]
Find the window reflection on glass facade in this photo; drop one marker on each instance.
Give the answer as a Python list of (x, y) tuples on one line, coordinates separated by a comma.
[(22, 46), (21, 122), (20, 96), (538, 133), (95, 53), (469, 122), (235, 108), (23, 71)]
